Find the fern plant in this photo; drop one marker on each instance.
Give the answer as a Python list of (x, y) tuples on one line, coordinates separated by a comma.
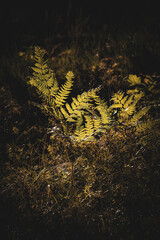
[(43, 78), (87, 113), (137, 84), (125, 108), (148, 86), (45, 81)]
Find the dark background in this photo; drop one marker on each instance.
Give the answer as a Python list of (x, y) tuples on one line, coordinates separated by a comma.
[(32, 23), (48, 23), (25, 17)]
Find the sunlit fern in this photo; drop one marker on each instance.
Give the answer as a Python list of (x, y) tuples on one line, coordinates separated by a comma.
[(44, 80), (88, 114), (65, 90), (137, 84), (125, 108), (43, 77)]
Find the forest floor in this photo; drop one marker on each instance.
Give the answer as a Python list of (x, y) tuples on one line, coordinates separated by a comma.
[(116, 197)]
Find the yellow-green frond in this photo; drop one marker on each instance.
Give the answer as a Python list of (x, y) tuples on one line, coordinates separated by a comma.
[(64, 112), (103, 114), (43, 78), (137, 116), (118, 105), (69, 109), (97, 123), (133, 79), (79, 133), (65, 90), (128, 102), (144, 126), (117, 97), (89, 126)]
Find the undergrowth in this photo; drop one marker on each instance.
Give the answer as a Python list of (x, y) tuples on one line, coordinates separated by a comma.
[(72, 174), (80, 135)]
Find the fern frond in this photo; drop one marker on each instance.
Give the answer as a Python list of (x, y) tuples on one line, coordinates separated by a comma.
[(79, 133), (132, 91), (138, 96), (79, 105), (89, 126), (144, 126), (97, 123), (69, 109), (64, 112), (65, 90), (117, 97), (147, 84), (43, 77), (118, 105), (137, 116), (126, 106), (104, 115), (128, 102), (133, 79), (130, 109)]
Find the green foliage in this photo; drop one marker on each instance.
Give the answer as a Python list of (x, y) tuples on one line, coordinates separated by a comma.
[(95, 159), (45, 81), (43, 78), (88, 168), (82, 109), (134, 80), (147, 85), (65, 90), (126, 108), (88, 114)]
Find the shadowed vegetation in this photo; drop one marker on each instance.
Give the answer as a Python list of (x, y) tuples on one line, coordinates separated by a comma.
[(80, 133)]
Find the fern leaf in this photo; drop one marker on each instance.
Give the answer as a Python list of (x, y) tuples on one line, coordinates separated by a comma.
[(133, 79), (144, 126), (75, 101), (69, 109), (128, 102), (89, 127), (64, 112), (65, 90), (118, 105), (79, 133), (117, 97), (97, 123), (78, 105), (43, 77), (74, 107), (131, 108), (132, 91), (139, 115), (104, 115), (124, 100)]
